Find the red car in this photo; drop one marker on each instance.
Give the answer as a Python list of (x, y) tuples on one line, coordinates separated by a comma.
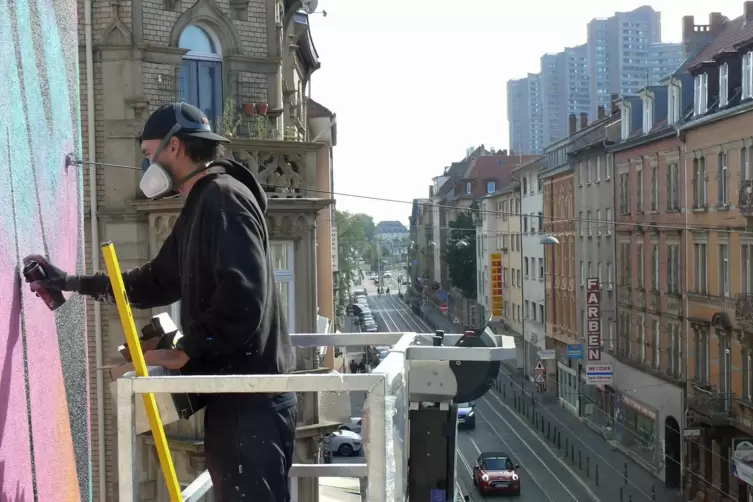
[(496, 473)]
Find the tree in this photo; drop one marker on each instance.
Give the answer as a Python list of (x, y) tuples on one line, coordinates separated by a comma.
[(354, 233), (461, 259)]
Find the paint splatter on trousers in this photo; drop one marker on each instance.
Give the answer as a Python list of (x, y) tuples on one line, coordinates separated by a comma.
[(249, 451)]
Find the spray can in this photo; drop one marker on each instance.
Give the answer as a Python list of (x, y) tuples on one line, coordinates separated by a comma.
[(33, 271)]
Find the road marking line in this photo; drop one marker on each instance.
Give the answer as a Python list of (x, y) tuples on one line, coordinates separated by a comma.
[(590, 492), (530, 473)]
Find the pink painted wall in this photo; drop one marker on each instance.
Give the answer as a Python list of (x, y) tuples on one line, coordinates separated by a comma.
[(44, 424)]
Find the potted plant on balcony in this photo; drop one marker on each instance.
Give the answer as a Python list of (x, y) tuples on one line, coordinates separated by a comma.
[(260, 127), (230, 120), (261, 109), (249, 108), (291, 134)]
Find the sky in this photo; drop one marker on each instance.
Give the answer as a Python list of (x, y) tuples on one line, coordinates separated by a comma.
[(414, 83)]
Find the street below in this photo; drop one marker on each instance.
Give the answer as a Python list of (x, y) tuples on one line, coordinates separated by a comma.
[(544, 477)]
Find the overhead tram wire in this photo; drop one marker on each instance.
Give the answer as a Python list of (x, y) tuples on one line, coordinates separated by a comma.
[(553, 219)]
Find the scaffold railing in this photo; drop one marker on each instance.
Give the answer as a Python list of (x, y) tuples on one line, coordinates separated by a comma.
[(385, 413)]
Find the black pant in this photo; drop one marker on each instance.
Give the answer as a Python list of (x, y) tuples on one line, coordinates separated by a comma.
[(249, 450)]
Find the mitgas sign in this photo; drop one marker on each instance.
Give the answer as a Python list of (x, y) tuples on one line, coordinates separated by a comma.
[(593, 319)]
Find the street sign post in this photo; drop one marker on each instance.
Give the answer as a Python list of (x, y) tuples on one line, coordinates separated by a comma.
[(575, 351)]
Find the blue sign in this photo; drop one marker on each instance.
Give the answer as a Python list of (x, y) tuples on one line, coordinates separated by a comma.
[(438, 495), (575, 351), (442, 298)]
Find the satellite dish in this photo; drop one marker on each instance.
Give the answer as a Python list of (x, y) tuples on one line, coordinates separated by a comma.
[(309, 6)]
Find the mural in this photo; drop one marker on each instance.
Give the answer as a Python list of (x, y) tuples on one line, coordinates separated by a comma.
[(44, 424)]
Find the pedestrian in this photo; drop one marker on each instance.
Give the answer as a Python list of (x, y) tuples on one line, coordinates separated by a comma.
[(353, 366), (216, 262)]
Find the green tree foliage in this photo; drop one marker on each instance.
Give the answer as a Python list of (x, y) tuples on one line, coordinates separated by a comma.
[(355, 233), (461, 260)]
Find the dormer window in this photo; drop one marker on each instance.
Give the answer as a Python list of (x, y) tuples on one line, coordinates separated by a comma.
[(625, 121), (491, 186), (648, 114), (467, 187), (723, 85), (701, 93), (673, 103), (747, 76)]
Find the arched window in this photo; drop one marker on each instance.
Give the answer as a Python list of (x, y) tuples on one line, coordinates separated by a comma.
[(201, 71)]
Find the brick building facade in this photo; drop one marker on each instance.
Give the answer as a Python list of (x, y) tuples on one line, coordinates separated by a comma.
[(247, 64)]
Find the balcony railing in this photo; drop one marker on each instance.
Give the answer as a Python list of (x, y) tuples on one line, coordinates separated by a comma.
[(744, 308), (716, 406), (745, 201), (386, 409)]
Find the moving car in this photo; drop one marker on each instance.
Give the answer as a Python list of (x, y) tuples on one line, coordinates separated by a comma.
[(466, 416), (343, 443), (494, 472)]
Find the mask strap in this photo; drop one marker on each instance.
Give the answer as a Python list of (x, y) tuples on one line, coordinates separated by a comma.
[(165, 141)]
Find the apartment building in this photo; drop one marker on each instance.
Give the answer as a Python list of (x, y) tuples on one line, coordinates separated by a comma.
[(717, 144), (532, 215), (480, 173), (525, 114), (622, 54), (649, 349), (559, 213), (248, 66), (498, 243), (594, 246)]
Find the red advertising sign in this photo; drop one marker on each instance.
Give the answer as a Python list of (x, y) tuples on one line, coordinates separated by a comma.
[(593, 319), (443, 307)]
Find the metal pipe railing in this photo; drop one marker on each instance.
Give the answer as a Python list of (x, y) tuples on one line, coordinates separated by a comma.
[(388, 379)]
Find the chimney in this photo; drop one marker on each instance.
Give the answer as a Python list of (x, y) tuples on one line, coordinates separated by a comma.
[(615, 102), (572, 124), (748, 12), (688, 29), (716, 23), (601, 112), (583, 121)]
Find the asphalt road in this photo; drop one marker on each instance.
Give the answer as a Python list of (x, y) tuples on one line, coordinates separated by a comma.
[(544, 477)]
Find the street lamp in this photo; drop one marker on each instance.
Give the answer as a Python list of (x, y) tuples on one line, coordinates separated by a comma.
[(546, 240)]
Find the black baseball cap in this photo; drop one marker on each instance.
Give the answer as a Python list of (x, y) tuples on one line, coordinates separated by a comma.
[(191, 120)]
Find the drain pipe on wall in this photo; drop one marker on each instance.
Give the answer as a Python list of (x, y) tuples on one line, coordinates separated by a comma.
[(92, 150)]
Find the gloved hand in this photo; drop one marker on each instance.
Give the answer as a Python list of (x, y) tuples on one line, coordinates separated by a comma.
[(56, 280)]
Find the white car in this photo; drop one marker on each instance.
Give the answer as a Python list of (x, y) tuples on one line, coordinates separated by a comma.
[(354, 425), (371, 328), (344, 443)]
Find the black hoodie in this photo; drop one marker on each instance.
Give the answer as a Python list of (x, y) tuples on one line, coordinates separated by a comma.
[(216, 262)]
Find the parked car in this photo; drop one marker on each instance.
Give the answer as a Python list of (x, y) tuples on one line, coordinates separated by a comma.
[(354, 425), (343, 443), (466, 416), (372, 328), (494, 472)]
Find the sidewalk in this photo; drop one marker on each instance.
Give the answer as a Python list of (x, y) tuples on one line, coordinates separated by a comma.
[(582, 447), (434, 318)]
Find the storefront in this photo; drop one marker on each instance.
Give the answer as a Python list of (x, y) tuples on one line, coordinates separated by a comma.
[(742, 467), (597, 405), (636, 427), (568, 386)]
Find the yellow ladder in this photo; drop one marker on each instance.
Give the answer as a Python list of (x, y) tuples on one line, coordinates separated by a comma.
[(137, 355)]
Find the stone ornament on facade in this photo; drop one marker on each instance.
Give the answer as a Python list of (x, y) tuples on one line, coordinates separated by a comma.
[(277, 172), (282, 226)]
